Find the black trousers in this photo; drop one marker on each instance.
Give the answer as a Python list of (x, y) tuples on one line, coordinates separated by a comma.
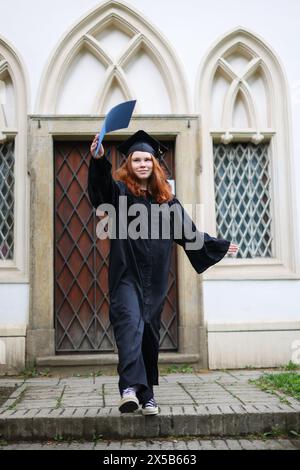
[(141, 369), (137, 343), (150, 349)]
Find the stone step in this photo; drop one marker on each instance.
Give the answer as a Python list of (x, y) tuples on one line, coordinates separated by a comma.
[(163, 445), (178, 421)]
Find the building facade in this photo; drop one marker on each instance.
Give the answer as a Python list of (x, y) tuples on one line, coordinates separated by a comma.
[(219, 84)]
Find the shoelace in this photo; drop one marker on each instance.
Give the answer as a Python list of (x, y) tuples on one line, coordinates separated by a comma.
[(151, 403), (128, 391)]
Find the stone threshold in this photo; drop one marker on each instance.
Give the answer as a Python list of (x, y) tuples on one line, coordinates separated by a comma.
[(109, 359)]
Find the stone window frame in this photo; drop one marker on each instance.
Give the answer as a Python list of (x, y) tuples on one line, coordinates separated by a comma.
[(43, 130), (285, 263), (16, 270)]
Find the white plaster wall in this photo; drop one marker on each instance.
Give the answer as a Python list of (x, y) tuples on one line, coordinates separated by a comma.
[(14, 299), (190, 27), (261, 301), (35, 28)]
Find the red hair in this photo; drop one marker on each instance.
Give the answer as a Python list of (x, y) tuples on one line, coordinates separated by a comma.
[(157, 184)]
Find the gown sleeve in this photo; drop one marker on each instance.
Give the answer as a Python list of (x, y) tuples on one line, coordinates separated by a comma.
[(102, 188), (212, 249)]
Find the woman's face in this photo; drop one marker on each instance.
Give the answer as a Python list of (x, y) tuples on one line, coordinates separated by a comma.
[(142, 165)]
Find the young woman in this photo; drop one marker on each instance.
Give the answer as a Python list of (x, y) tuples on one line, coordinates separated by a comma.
[(139, 265)]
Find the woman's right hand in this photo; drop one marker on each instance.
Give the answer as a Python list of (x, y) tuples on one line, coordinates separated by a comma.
[(94, 146)]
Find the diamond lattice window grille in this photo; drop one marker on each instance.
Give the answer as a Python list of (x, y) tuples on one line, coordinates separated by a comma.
[(242, 191), (80, 298), (168, 332), (7, 182)]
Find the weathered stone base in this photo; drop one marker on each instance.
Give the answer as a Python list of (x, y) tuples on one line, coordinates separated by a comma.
[(12, 349)]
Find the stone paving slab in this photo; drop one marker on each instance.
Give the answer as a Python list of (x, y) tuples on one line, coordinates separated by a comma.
[(217, 403)]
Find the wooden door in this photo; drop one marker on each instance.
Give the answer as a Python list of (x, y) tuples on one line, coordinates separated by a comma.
[(81, 260)]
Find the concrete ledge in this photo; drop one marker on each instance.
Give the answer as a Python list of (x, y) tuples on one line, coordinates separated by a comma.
[(254, 326), (109, 359), (42, 424)]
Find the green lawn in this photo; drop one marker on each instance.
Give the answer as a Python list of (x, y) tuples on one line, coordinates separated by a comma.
[(287, 382)]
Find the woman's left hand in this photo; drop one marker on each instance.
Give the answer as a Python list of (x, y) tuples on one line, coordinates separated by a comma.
[(233, 248)]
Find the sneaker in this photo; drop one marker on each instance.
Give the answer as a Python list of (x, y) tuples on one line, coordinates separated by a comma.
[(150, 408), (129, 401)]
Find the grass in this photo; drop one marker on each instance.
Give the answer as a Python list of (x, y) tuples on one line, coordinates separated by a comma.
[(287, 382), (32, 372), (178, 369), (291, 366), (59, 400), (5, 392), (18, 399), (3, 442), (97, 373)]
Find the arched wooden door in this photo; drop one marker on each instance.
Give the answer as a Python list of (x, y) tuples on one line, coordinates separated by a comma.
[(81, 260)]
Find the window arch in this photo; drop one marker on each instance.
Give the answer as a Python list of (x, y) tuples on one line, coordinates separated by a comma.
[(117, 55), (13, 166), (246, 157)]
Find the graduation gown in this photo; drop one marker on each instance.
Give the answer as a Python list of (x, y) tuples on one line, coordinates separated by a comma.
[(138, 278)]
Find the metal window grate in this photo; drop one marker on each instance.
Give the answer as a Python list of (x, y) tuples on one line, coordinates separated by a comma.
[(7, 182), (242, 189)]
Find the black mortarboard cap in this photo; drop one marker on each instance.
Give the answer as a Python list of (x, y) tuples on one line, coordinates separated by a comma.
[(143, 142)]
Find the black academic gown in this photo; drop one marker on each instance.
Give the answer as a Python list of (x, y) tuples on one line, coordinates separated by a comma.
[(138, 279)]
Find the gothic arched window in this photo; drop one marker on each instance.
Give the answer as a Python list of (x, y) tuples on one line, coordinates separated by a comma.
[(13, 167), (246, 156)]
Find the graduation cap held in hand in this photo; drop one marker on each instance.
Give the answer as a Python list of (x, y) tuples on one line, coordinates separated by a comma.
[(143, 142), (117, 118)]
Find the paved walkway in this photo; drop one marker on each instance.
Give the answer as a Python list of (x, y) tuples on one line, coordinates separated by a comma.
[(219, 403), (161, 445)]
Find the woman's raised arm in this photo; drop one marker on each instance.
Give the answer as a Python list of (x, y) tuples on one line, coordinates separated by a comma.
[(101, 186)]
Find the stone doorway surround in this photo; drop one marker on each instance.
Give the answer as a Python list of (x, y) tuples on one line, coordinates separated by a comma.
[(42, 131)]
